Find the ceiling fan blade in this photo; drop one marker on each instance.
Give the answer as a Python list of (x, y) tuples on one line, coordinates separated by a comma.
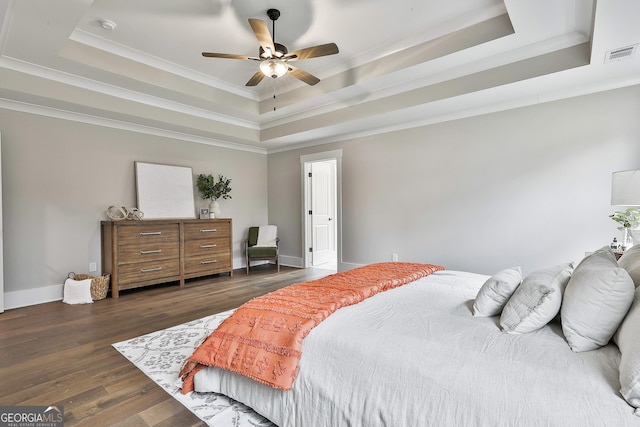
[(255, 79), (302, 75), (312, 52), (228, 56), (261, 31)]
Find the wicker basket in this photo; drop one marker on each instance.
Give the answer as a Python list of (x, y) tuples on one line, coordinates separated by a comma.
[(99, 285)]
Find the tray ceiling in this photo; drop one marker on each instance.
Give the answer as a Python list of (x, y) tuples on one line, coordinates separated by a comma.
[(401, 64)]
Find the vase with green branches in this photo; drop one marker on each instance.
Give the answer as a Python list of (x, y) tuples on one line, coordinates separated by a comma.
[(629, 220), (213, 189)]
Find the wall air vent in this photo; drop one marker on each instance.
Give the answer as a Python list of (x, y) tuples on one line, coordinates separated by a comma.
[(621, 54)]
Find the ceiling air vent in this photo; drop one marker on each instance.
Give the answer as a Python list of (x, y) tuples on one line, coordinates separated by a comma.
[(621, 54)]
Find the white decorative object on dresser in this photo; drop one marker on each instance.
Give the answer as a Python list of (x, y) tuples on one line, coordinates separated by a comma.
[(149, 252), (164, 191)]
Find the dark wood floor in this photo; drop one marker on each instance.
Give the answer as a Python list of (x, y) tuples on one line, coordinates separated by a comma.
[(60, 354)]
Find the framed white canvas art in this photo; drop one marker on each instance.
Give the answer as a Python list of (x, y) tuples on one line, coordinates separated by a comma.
[(164, 191)]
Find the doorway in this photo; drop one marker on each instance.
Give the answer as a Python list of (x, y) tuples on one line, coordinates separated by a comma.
[(321, 175)]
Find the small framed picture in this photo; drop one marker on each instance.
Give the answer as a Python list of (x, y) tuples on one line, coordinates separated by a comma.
[(204, 213)]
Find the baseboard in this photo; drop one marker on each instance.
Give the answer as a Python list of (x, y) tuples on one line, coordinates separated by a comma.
[(285, 261), (344, 266), (27, 297), (298, 262), (291, 261), (288, 261)]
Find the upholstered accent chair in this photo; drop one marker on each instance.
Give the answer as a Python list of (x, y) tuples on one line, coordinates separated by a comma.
[(262, 245)]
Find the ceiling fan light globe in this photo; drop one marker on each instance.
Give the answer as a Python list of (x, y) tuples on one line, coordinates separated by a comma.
[(273, 68)]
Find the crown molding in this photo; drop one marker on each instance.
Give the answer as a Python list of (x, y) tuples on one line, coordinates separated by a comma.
[(58, 76), (122, 125), (100, 43)]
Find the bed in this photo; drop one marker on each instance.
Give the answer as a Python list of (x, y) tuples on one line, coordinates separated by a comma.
[(417, 355)]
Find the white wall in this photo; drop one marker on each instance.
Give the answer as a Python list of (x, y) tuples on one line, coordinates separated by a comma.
[(528, 187), (59, 177)]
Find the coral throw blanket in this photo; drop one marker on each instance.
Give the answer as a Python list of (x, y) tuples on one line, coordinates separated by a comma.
[(262, 339)]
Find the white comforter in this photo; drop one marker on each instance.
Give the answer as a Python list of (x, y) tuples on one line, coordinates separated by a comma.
[(415, 356)]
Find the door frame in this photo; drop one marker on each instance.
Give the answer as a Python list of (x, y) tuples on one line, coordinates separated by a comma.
[(307, 236)]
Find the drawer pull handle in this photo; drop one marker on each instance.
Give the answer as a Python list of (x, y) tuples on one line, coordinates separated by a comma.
[(149, 270), (212, 230), (155, 251), (208, 246), (151, 233), (208, 262)]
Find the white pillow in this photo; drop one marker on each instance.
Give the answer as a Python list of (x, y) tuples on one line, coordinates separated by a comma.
[(596, 300), (77, 291), (630, 261), (627, 340), (267, 235), (496, 291), (536, 301)]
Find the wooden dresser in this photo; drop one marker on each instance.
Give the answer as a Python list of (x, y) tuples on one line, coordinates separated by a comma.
[(148, 252)]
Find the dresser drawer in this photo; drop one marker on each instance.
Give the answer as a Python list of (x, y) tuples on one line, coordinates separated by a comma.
[(148, 233), (204, 247), (148, 271), (148, 251), (215, 263), (206, 230)]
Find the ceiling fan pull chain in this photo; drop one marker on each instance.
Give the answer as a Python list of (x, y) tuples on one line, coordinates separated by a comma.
[(274, 94)]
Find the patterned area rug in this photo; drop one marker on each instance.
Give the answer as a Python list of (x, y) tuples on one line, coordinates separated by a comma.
[(160, 356)]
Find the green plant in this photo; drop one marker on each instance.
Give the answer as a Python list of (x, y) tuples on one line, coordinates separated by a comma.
[(212, 189), (628, 219)]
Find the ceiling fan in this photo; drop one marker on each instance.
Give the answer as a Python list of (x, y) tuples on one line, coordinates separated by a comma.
[(274, 57)]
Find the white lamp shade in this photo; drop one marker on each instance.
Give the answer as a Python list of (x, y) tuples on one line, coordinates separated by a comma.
[(625, 188), (273, 68)]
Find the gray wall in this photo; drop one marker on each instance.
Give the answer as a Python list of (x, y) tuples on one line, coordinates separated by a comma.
[(528, 187), (59, 177)]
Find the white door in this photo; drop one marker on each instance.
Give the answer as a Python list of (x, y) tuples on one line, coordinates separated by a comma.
[(326, 239), (323, 208)]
